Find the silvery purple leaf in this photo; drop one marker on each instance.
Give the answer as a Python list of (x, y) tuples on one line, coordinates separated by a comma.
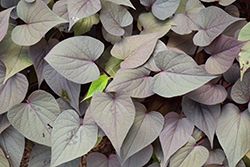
[(119, 110), (74, 58), (4, 22), (95, 159)]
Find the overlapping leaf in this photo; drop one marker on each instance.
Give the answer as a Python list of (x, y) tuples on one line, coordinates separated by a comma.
[(209, 94), (35, 118), (98, 159), (60, 8), (179, 74), (140, 158), (122, 2), (4, 122), (68, 90), (205, 117), (145, 129), (212, 21), (39, 19), (78, 9), (183, 42), (119, 110), (216, 156), (223, 51), (221, 2), (233, 132), (37, 52), (12, 91), (74, 58), (4, 23), (41, 155), (12, 143), (150, 64), (14, 57), (240, 92), (176, 132), (114, 17), (151, 24), (162, 9), (187, 22), (85, 24), (3, 159), (136, 82), (232, 74), (189, 155), (135, 50), (71, 138)]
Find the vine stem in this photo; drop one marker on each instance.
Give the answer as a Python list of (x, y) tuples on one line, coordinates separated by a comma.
[(105, 72), (196, 50), (201, 141)]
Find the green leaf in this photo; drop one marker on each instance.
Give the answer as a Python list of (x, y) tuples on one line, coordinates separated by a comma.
[(39, 19), (78, 9), (244, 34), (74, 58), (97, 85), (12, 143), (3, 159), (14, 57), (112, 66), (135, 50), (119, 110), (244, 59), (151, 24), (233, 132), (190, 155), (35, 118), (179, 74), (71, 138), (85, 24)]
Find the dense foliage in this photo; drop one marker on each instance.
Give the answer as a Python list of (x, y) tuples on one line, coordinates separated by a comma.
[(166, 81)]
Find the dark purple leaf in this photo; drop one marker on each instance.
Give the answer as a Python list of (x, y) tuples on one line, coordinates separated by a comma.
[(203, 116), (223, 51), (176, 132)]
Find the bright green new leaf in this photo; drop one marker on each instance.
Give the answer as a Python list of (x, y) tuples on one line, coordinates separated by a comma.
[(74, 58), (3, 160), (35, 119), (71, 138), (112, 66), (244, 59), (14, 57), (39, 18), (179, 74), (233, 132), (190, 155), (151, 24), (97, 85), (85, 24)]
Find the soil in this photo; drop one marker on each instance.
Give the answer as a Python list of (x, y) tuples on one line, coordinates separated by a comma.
[(104, 147)]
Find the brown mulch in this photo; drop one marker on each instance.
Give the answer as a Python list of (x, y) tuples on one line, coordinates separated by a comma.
[(104, 147)]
